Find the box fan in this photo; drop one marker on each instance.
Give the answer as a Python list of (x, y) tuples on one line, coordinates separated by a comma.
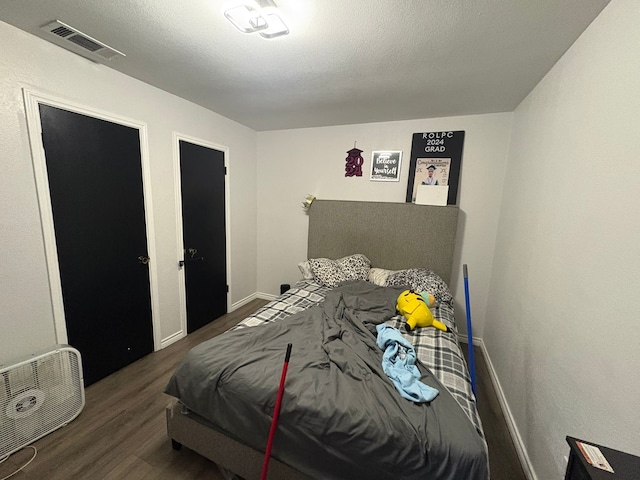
[(39, 395)]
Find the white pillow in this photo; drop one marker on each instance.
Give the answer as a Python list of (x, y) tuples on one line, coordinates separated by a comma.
[(378, 276), (305, 269)]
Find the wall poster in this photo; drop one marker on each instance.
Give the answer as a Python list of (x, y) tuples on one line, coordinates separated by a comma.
[(435, 160), (385, 166)]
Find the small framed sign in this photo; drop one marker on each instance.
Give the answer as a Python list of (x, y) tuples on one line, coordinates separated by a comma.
[(385, 166)]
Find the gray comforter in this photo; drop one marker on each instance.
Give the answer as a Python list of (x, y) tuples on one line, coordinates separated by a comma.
[(341, 416)]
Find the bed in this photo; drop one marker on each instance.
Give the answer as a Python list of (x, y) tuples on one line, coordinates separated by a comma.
[(341, 417)]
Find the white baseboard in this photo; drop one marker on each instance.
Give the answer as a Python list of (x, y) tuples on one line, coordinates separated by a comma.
[(181, 334), (464, 339), (266, 296), (253, 296), (172, 339), (525, 461), (242, 302)]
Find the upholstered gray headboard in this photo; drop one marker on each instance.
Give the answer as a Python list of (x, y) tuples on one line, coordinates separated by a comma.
[(394, 236)]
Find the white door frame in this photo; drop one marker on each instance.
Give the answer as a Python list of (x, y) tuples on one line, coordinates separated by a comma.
[(32, 99), (180, 235)]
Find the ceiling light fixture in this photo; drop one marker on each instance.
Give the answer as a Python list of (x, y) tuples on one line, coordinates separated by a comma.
[(256, 16)]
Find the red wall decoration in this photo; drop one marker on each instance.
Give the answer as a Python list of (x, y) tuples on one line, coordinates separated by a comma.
[(353, 167)]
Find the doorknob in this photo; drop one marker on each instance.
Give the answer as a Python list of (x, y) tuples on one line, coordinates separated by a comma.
[(143, 259), (190, 256), (181, 263)]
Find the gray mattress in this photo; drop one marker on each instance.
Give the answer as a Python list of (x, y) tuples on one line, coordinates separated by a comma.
[(341, 416)]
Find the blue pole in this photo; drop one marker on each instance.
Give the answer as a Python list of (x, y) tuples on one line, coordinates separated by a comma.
[(472, 363)]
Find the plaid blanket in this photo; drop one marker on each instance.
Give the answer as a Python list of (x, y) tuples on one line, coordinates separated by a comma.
[(439, 351)]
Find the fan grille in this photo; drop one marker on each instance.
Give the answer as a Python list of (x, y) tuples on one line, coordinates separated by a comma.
[(38, 396)]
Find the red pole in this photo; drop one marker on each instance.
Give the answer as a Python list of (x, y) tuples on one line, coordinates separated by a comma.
[(276, 414)]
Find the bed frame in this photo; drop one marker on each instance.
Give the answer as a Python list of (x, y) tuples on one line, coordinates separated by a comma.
[(393, 236)]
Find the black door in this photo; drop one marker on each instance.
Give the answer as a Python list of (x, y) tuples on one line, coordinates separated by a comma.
[(95, 180), (202, 173)]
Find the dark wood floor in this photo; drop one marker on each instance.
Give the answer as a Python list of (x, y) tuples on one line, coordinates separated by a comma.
[(121, 432), (504, 463)]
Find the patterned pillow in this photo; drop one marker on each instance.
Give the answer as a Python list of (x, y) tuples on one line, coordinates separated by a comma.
[(332, 273), (422, 280)]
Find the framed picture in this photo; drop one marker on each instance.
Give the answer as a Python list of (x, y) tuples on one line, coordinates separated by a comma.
[(435, 160), (385, 165)]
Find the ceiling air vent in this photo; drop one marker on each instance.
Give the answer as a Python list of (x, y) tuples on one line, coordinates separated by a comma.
[(66, 34)]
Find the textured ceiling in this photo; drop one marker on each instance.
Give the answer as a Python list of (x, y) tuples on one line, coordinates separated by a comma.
[(345, 61)]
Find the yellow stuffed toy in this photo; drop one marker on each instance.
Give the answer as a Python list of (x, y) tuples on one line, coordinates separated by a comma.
[(415, 309)]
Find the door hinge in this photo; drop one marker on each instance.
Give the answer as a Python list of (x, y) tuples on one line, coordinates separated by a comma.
[(227, 288), (225, 170)]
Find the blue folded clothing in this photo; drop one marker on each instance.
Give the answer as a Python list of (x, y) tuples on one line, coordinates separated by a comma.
[(399, 363)]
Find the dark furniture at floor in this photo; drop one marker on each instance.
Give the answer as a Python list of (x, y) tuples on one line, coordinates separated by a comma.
[(624, 465)]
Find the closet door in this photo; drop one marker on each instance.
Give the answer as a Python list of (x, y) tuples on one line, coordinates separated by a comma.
[(95, 182), (202, 172)]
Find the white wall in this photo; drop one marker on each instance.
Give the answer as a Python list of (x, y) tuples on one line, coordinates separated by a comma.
[(293, 163), (26, 318), (562, 330)]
